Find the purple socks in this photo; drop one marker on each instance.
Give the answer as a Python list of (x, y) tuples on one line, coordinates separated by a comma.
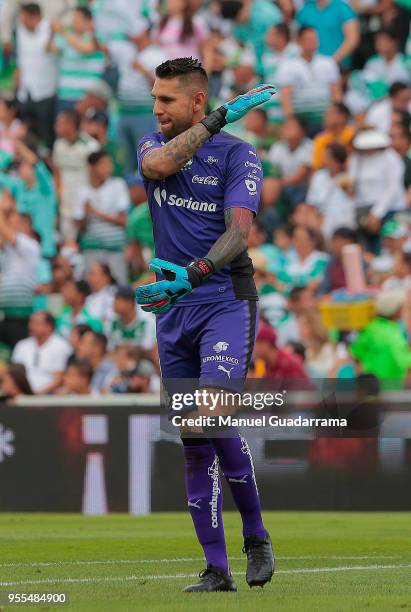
[(204, 495), (237, 465)]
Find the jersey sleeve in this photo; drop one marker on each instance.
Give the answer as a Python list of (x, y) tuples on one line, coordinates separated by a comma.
[(147, 143), (244, 179)]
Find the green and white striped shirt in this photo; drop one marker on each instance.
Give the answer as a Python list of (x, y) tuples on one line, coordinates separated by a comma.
[(77, 71), (112, 197), (19, 264)]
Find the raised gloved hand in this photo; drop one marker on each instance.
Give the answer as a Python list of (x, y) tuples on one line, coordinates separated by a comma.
[(159, 297), (238, 107)]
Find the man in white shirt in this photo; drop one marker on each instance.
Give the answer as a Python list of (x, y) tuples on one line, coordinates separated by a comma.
[(70, 153), (101, 214), (309, 82), (44, 354), (36, 72), (20, 257), (380, 113), (377, 176)]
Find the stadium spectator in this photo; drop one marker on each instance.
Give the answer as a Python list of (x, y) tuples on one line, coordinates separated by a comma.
[(291, 157), (180, 32), (251, 22), (103, 288), (328, 191), (70, 154), (320, 353), (131, 325), (300, 300), (334, 275), (394, 236), (380, 115), (75, 336), (92, 346), (11, 8), (381, 347), (96, 97), (96, 124), (401, 143), (20, 252), (308, 82), (388, 66), (337, 26), (101, 215), (307, 266), (44, 354), (337, 131), (278, 364), (74, 310), (36, 196), (133, 374), (377, 176), (279, 47), (81, 62), (11, 127), (139, 229), (77, 378), (36, 77), (137, 60), (401, 273), (115, 20), (14, 382)]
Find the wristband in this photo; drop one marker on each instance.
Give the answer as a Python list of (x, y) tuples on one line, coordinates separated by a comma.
[(215, 121), (199, 271)]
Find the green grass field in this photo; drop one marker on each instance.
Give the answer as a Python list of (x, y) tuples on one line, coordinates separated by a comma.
[(325, 562)]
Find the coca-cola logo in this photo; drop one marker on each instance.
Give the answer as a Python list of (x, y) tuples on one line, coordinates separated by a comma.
[(205, 180)]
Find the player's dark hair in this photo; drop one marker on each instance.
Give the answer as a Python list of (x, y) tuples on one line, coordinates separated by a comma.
[(85, 12), (284, 30), (186, 68), (73, 116), (338, 152), (304, 29), (96, 156), (346, 233), (31, 8), (396, 87), (83, 367)]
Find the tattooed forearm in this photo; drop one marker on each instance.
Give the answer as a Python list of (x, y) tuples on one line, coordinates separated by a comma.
[(234, 240), (169, 159)]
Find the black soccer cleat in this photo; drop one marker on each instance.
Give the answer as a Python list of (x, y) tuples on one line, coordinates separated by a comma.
[(211, 580), (260, 560)]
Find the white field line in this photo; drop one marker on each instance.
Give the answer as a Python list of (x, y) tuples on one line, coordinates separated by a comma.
[(179, 560), (313, 570)]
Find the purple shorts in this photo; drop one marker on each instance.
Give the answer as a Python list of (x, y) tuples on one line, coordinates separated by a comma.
[(209, 343)]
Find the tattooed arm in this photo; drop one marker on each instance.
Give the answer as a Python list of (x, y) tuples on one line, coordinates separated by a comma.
[(234, 240), (163, 161)]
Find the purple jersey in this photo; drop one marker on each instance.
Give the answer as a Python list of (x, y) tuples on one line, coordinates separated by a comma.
[(187, 209)]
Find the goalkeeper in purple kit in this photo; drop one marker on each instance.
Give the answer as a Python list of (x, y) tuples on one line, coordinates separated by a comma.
[(203, 187)]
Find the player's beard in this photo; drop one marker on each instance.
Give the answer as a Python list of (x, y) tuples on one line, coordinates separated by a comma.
[(176, 128)]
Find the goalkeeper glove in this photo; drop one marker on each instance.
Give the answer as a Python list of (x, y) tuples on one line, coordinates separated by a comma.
[(238, 107), (159, 297)]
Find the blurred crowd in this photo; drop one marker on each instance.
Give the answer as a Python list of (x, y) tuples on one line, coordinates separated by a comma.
[(75, 229)]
